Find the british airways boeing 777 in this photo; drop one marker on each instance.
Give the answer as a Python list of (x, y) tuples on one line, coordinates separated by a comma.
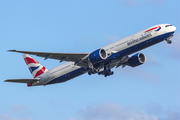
[(100, 61)]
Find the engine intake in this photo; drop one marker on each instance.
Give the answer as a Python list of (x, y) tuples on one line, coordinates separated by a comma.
[(136, 60), (97, 56)]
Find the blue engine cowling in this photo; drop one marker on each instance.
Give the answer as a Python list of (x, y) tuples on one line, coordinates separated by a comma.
[(136, 60), (97, 56)]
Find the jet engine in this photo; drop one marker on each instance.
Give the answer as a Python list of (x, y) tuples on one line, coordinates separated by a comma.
[(136, 60), (97, 56)]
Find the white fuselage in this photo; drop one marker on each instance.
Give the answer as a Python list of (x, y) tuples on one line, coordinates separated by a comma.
[(125, 46)]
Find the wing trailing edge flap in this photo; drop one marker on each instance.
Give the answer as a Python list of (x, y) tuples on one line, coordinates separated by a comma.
[(22, 80)]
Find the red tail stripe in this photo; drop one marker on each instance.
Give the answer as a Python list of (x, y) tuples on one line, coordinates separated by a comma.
[(30, 60), (40, 72)]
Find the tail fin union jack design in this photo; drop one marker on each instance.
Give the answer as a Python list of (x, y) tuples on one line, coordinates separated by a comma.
[(35, 67)]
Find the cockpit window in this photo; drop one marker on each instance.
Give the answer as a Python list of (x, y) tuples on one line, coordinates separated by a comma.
[(168, 25)]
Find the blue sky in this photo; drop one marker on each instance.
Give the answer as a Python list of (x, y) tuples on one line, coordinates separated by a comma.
[(148, 92)]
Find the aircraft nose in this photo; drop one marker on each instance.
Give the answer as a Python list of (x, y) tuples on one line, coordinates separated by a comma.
[(173, 28)]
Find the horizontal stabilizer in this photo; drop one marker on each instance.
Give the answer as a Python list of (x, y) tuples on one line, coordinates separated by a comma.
[(22, 80)]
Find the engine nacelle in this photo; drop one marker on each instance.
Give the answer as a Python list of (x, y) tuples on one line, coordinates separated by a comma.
[(136, 60), (97, 56)]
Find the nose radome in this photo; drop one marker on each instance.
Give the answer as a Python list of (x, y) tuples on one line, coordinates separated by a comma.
[(173, 28)]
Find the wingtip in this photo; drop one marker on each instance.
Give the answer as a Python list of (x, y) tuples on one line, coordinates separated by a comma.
[(11, 50)]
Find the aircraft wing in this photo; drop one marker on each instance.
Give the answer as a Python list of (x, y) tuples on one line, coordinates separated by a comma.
[(74, 57), (22, 80), (78, 58)]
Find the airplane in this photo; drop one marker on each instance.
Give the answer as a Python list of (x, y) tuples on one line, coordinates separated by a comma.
[(100, 61)]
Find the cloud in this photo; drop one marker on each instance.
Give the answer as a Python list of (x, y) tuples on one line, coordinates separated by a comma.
[(112, 111), (172, 116), (16, 112), (157, 110), (154, 109), (9, 117)]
